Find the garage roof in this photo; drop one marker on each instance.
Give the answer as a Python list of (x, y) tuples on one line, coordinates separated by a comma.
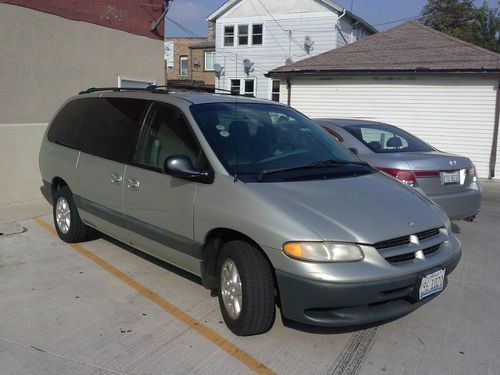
[(409, 47)]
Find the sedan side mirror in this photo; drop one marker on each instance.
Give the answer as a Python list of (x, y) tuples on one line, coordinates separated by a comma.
[(354, 151), (180, 166)]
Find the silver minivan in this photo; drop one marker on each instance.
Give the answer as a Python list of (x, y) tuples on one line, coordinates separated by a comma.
[(251, 196)]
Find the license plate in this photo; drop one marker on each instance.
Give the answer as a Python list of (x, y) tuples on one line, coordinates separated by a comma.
[(431, 284), (450, 178)]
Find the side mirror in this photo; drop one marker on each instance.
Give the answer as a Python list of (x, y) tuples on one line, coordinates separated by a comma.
[(354, 151), (180, 166)]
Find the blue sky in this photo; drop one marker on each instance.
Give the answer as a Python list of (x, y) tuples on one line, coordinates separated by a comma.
[(193, 13)]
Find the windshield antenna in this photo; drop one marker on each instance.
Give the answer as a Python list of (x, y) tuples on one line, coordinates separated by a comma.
[(235, 177)]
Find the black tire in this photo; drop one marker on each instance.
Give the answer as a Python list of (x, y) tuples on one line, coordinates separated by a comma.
[(258, 308), (77, 231)]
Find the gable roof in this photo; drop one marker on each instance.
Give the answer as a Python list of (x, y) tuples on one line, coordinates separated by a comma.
[(228, 5), (409, 47)]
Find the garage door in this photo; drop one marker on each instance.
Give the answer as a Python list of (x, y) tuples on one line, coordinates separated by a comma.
[(455, 115)]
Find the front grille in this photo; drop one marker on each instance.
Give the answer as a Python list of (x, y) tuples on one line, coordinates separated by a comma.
[(408, 257), (404, 240), (401, 258), (431, 250), (400, 241), (428, 234)]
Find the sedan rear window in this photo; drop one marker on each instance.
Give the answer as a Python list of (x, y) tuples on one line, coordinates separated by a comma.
[(383, 138)]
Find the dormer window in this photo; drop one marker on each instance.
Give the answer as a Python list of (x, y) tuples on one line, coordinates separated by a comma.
[(243, 35)]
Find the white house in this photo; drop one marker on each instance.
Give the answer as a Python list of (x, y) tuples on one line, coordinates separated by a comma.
[(442, 89), (256, 36)]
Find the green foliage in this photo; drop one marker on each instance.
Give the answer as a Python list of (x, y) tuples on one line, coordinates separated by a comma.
[(461, 19)]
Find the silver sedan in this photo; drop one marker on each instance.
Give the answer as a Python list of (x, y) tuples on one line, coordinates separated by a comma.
[(449, 180)]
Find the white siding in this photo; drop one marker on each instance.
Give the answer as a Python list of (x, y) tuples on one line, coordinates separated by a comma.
[(455, 115), (303, 18)]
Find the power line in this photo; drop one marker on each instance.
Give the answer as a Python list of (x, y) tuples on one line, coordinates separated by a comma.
[(288, 32), (400, 20)]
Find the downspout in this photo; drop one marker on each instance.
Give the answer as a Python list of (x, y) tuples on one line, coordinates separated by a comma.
[(494, 145), (337, 26), (289, 92)]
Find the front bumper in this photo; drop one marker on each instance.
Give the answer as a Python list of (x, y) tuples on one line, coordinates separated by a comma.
[(331, 304), (460, 205)]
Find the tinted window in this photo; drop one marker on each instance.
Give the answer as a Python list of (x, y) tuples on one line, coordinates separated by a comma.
[(66, 128), (166, 133), (112, 128), (250, 138), (382, 138)]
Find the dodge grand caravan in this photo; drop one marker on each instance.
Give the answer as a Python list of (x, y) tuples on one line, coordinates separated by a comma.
[(253, 197)]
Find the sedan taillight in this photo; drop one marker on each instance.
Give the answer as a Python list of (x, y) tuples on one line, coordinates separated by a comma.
[(409, 177), (405, 176)]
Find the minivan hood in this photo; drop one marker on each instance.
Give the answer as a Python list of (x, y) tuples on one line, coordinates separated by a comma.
[(365, 209)]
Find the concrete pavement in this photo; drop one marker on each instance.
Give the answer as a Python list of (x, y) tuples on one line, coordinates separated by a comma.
[(61, 313)]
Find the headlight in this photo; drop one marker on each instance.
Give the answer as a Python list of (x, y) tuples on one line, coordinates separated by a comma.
[(324, 251)]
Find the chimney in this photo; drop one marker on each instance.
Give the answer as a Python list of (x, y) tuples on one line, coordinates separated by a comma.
[(211, 31)]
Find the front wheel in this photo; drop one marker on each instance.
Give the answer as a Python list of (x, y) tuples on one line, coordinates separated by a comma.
[(246, 289)]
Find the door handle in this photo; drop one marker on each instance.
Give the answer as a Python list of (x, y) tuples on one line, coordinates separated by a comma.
[(116, 179), (133, 184)]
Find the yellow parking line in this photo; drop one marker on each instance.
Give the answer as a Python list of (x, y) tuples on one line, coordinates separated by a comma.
[(199, 327)]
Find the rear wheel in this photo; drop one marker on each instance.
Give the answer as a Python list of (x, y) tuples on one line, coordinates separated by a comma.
[(69, 226), (246, 289)]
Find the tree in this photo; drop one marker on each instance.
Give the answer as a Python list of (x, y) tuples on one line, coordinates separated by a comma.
[(487, 28), (461, 19)]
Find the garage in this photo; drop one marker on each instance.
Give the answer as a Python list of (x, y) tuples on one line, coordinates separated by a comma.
[(437, 87)]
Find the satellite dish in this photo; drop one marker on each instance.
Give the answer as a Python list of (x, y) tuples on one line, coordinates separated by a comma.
[(196, 61), (308, 44), (219, 70), (289, 61), (248, 67)]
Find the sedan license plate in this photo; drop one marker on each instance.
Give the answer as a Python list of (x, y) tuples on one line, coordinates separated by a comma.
[(431, 284), (450, 178)]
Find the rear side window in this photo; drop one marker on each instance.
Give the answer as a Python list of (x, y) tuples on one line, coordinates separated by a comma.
[(112, 128), (66, 128)]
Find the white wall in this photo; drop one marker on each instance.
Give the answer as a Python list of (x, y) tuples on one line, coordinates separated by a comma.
[(455, 115), (303, 18)]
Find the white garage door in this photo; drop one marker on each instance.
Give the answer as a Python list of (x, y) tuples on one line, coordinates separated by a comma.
[(455, 115)]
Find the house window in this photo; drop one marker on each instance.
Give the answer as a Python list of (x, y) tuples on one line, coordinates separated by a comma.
[(243, 87), (183, 63), (235, 86), (257, 34), (242, 35), (228, 36), (209, 61), (249, 87), (275, 94)]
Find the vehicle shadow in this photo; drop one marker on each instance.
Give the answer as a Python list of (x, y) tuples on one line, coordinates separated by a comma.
[(455, 228)]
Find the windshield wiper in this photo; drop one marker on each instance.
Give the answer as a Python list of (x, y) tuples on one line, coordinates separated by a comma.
[(317, 164)]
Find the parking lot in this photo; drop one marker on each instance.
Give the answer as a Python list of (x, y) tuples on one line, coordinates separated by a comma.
[(101, 307)]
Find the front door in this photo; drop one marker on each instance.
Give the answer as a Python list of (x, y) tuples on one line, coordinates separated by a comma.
[(159, 208)]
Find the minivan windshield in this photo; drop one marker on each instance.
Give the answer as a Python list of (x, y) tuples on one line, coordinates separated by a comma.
[(268, 142), (385, 139)]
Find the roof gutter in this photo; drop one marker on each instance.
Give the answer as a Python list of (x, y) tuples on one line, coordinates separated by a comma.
[(326, 74), (494, 145)]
